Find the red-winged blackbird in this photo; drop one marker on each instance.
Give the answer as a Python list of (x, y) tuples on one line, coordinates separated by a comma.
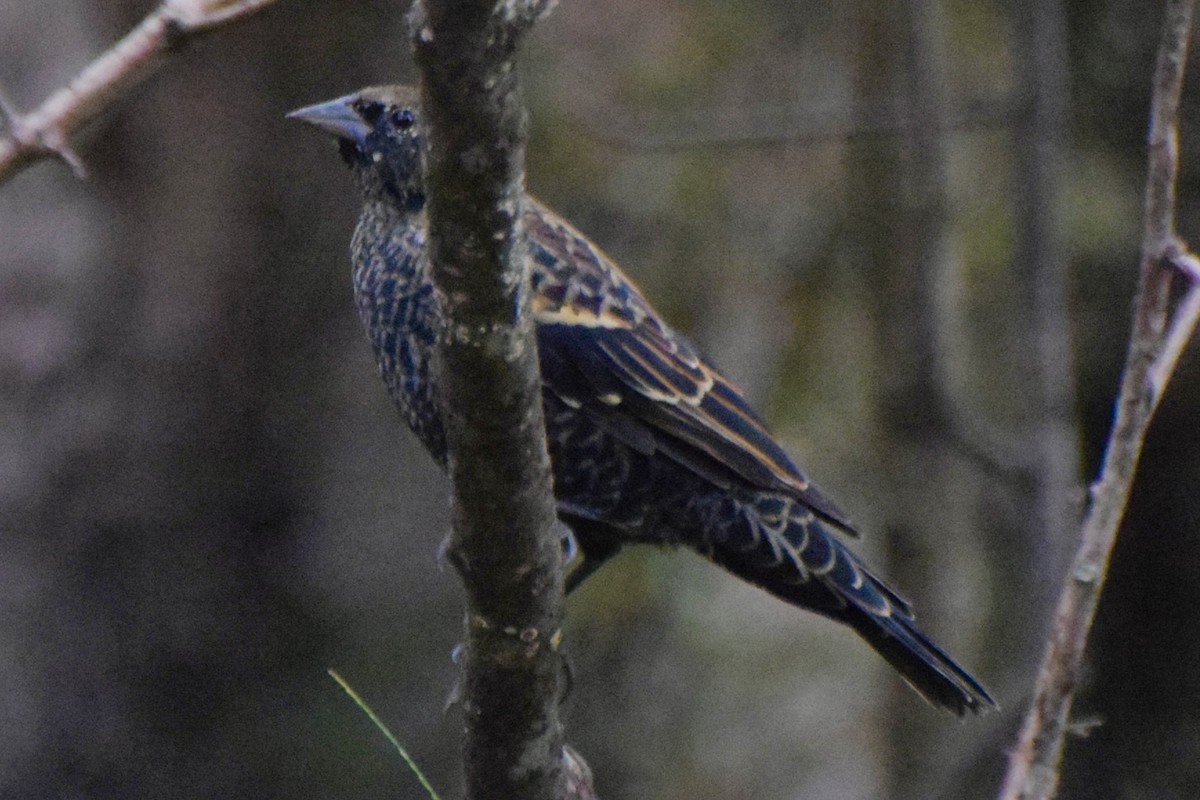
[(649, 443)]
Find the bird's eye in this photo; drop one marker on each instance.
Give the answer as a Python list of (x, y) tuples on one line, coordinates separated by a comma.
[(403, 118)]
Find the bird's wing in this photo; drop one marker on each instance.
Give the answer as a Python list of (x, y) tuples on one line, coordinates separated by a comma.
[(605, 350)]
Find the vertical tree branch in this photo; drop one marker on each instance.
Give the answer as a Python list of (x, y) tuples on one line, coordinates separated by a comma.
[(1034, 765), (911, 230), (505, 541)]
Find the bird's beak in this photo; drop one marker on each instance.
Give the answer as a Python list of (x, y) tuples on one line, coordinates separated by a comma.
[(337, 117)]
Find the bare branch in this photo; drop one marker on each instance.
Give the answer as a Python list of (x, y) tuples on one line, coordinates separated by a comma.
[(46, 131), (505, 542), (1185, 318), (1184, 261), (1154, 348)]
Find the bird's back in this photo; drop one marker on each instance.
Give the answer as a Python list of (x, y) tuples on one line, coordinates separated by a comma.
[(650, 443)]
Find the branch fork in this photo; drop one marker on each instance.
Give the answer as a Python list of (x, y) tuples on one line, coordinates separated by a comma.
[(46, 131), (1159, 334)]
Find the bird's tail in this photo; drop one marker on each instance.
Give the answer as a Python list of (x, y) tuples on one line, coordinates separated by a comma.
[(793, 555), (922, 663)]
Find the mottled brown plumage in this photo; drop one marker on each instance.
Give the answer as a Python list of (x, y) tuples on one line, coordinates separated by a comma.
[(649, 442)]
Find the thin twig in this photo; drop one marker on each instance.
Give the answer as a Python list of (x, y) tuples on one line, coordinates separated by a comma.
[(46, 131), (1185, 261), (1154, 348), (1183, 325)]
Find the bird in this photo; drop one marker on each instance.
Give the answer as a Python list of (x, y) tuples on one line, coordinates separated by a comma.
[(649, 443)]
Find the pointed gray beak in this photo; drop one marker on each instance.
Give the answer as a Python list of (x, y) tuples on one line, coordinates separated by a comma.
[(337, 117)]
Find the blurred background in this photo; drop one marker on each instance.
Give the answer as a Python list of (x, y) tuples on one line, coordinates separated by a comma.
[(908, 229)]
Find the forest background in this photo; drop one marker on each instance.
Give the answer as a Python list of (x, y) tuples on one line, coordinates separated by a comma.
[(206, 499)]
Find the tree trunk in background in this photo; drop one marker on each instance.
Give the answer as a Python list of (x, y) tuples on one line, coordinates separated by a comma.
[(169, 515), (59, 418), (901, 222), (1043, 314), (164, 398)]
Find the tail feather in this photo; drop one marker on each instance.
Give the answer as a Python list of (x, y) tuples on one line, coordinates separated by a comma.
[(795, 557), (923, 665), (890, 628)]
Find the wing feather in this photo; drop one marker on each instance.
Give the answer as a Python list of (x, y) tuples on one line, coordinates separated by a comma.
[(606, 349)]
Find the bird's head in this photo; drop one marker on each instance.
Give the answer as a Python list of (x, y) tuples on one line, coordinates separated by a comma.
[(380, 134)]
